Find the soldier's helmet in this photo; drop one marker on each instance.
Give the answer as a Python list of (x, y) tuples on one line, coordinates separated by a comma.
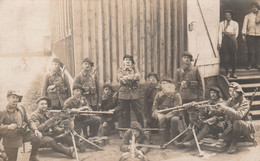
[(129, 56), (46, 99), (153, 74), (57, 60), (216, 89), (186, 53), (137, 126), (78, 86), (237, 87), (89, 61), (16, 93)]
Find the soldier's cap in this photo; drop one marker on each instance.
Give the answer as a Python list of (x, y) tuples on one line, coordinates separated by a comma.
[(16, 93), (57, 60), (108, 86), (89, 61), (216, 89), (166, 80), (78, 86), (186, 53), (236, 86), (137, 126), (153, 74), (46, 99), (129, 56)]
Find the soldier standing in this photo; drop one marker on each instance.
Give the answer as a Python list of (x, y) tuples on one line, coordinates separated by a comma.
[(164, 99), (128, 95), (190, 83), (236, 111), (56, 85), (87, 78), (45, 124), (152, 88), (82, 122), (13, 123)]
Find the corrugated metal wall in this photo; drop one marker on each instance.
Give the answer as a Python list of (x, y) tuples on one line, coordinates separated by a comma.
[(153, 31)]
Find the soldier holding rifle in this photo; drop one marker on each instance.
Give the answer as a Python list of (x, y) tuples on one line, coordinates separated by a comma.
[(168, 97)]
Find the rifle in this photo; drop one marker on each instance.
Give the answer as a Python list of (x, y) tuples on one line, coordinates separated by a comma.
[(183, 107), (195, 62), (81, 112)]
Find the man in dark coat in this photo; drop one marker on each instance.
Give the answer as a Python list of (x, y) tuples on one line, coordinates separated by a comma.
[(56, 85)]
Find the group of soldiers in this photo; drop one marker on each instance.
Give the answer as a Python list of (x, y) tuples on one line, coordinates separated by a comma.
[(47, 127)]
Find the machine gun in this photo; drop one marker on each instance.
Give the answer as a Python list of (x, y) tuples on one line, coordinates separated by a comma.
[(183, 107), (82, 113)]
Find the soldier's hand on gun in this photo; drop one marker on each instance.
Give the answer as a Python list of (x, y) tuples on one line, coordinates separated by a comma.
[(75, 110), (112, 110), (38, 134), (12, 126)]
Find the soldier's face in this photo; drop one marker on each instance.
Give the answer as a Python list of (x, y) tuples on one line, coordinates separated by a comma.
[(233, 93), (77, 93), (153, 79), (107, 91), (254, 9), (43, 105), (127, 62), (13, 100), (213, 95), (186, 59), (86, 66), (228, 16), (164, 84), (135, 132), (55, 66)]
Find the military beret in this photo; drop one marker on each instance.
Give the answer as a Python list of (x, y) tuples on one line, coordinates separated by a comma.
[(46, 99), (78, 86), (216, 89), (16, 93), (88, 60), (108, 86), (153, 74), (166, 80), (236, 86), (186, 53), (129, 56), (57, 60)]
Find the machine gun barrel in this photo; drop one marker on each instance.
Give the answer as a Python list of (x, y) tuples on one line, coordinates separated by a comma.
[(183, 107)]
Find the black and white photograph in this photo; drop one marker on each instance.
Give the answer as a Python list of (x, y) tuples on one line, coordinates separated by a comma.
[(129, 80)]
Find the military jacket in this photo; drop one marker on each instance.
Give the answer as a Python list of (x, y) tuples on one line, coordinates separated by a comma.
[(12, 138), (128, 89), (56, 86), (89, 81), (190, 84)]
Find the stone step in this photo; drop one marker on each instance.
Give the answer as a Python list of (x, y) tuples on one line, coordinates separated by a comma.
[(249, 94), (252, 85), (245, 78)]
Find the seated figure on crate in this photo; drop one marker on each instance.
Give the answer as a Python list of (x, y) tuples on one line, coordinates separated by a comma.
[(208, 123), (75, 103), (108, 103), (167, 98), (134, 135), (152, 88), (239, 122), (49, 129)]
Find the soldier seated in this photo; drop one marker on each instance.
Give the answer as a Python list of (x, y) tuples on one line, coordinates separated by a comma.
[(236, 111), (135, 135), (167, 98), (49, 128), (76, 104), (108, 104)]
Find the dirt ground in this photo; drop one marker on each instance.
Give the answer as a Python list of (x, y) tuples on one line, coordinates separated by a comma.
[(111, 152)]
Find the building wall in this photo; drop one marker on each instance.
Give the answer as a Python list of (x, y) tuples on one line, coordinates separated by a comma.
[(25, 27), (153, 31)]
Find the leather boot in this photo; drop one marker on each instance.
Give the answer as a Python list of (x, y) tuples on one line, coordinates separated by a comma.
[(233, 147), (60, 149), (33, 155)]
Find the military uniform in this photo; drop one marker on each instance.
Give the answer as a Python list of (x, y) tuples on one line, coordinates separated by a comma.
[(129, 94), (56, 87), (81, 122), (149, 94), (169, 121), (13, 139), (44, 125)]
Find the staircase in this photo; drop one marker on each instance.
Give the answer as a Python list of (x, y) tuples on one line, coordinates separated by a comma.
[(249, 80)]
